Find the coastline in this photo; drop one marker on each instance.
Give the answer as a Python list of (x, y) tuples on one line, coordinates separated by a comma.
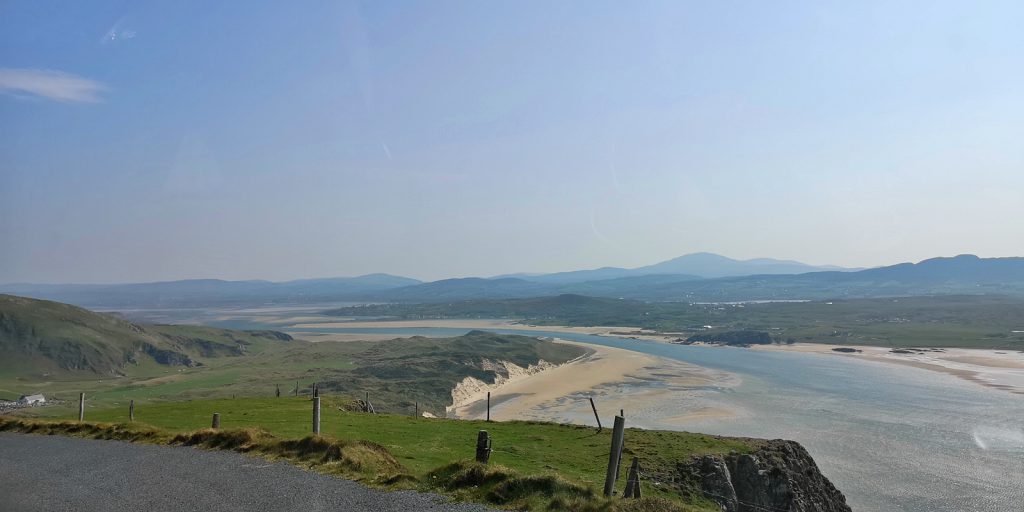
[(560, 393), (997, 369)]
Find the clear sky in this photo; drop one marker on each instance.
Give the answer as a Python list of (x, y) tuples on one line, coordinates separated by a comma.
[(163, 140)]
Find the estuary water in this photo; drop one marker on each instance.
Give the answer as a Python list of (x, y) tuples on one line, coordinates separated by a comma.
[(892, 438)]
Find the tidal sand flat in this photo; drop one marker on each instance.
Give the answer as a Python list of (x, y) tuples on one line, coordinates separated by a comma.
[(997, 369), (654, 391)]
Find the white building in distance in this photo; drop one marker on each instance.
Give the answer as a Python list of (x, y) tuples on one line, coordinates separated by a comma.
[(32, 400)]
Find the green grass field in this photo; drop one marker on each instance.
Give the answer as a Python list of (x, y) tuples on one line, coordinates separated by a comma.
[(399, 373), (426, 449), (968, 321)]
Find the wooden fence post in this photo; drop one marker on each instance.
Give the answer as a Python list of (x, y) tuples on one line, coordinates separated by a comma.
[(216, 421), (633, 480), (598, 418), (483, 447), (81, 407), (417, 413), (316, 415), (296, 388), (131, 410), (488, 406), (614, 455), (277, 391)]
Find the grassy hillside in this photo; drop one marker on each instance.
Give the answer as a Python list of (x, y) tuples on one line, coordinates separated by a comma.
[(550, 462), (397, 373), (977, 321), (61, 350), (39, 337)]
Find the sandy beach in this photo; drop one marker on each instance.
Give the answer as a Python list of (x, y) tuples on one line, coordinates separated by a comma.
[(616, 379)]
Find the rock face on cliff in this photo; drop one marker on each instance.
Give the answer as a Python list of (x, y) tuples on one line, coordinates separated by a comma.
[(779, 476)]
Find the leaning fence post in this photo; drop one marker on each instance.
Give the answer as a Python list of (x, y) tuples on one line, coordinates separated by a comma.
[(316, 415), (613, 456), (633, 480), (216, 421), (483, 447), (131, 410), (81, 407), (488, 406), (598, 418)]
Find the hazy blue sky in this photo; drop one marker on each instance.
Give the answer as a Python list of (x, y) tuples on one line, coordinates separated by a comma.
[(165, 140)]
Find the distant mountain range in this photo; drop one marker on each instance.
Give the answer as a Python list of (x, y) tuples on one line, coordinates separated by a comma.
[(699, 265), (211, 292), (965, 274), (701, 277)]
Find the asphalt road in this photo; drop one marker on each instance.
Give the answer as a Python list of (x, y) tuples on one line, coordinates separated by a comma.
[(55, 473)]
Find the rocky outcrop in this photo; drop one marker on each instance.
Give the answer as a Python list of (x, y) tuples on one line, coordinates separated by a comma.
[(778, 476), (168, 357)]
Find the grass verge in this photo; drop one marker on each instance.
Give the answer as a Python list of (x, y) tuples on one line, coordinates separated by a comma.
[(535, 466)]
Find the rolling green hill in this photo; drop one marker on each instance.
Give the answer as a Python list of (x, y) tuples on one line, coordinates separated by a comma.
[(39, 336), (62, 350)]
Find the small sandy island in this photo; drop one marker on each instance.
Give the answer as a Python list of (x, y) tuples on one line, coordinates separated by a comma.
[(999, 369)]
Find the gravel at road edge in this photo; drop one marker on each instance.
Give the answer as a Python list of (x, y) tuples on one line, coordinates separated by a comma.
[(56, 473)]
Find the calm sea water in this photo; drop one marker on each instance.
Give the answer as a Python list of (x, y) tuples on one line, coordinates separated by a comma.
[(892, 438)]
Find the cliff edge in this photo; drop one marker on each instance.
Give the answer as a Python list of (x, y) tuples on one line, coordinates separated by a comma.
[(779, 476)]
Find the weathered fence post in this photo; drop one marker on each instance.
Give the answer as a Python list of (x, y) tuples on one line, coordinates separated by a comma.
[(316, 415), (81, 407), (598, 418), (488, 406), (483, 447), (417, 413), (633, 480), (131, 410), (296, 388), (216, 421), (277, 391), (614, 455)]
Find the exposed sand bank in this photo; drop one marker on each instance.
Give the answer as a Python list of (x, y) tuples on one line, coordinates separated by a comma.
[(653, 391), (999, 369)]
